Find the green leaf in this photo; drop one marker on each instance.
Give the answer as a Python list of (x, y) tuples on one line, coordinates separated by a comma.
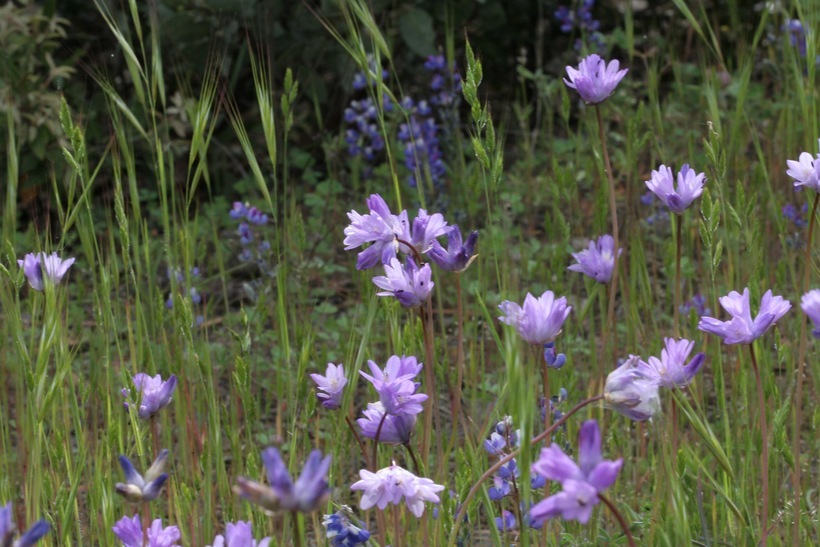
[(416, 29)]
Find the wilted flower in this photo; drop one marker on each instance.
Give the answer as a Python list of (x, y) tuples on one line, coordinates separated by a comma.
[(154, 393), (598, 260), (629, 392), (8, 530), (306, 495), (581, 482), (595, 80), (239, 535), (41, 267), (140, 488), (741, 329), (395, 429), (671, 370), (458, 255), (690, 187), (129, 530), (391, 484), (811, 307), (332, 384), (410, 284), (341, 531), (540, 320), (805, 171)]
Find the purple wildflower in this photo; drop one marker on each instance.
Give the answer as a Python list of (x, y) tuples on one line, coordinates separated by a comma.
[(396, 369), (306, 495), (409, 284), (581, 482), (41, 267), (810, 303), (391, 484), (139, 488), (598, 260), (239, 534), (8, 530), (154, 394), (459, 255), (552, 358), (395, 429), (697, 303), (805, 171), (629, 392), (129, 530), (671, 370), (540, 320), (690, 187), (400, 397), (595, 80), (741, 329), (332, 384), (380, 228), (342, 532)]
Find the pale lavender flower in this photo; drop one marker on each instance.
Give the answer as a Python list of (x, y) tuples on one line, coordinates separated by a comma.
[(139, 488), (380, 228), (239, 534), (395, 429), (629, 392), (671, 370), (595, 80), (154, 394), (391, 484), (805, 171), (332, 384), (581, 482), (401, 398), (130, 533), (410, 284), (342, 532), (540, 320), (459, 255), (397, 368), (598, 260), (41, 267), (283, 495), (8, 530), (690, 187), (741, 329), (811, 307)]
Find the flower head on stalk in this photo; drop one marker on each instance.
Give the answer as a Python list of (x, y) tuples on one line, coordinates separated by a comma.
[(581, 482), (154, 393), (742, 329), (283, 495), (41, 268), (330, 386), (239, 534), (139, 488), (391, 484), (690, 187), (671, 370), (129, 531), (341, 531), (8, 530), (395, 428), (540, 320), (810, 303), (380, 228), (805, 171), (397, 368), (630, 392), (598, 260), (595, 80), (409, 284), (459, 255)]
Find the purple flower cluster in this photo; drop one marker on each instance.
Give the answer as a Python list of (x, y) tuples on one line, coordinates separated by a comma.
[(332, 384), (540, 320), (8, 530), (796, 216), (594, 79), (582, 19), (239, 534), (130, 532), (41, 268), (250, 219), (363, 138), (503, 440), (342, 532), (629, 391), (391, 485), (377, 74), (598, 260), (445, 82), (741, 328), (805, 171), (419, 135), (671, 370), (391, 420), (408, 283), (690, 187), (154, 394), (697, 303)]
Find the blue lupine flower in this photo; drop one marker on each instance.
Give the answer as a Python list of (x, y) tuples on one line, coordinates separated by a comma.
[(553, 359), (8, 530), (139, 488), (342, 532)]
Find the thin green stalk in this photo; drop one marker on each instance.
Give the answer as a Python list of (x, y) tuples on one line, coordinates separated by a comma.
[(798, 399), (764, 454)]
